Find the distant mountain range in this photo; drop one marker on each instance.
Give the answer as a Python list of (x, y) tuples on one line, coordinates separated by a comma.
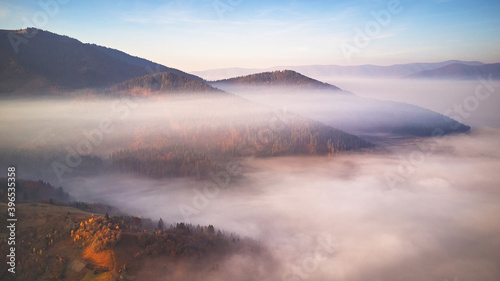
[(460, 71), (332, 71)]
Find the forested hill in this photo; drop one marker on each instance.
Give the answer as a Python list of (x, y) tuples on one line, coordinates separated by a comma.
[(163, 83), (33, 60), (61, 240), (285, 78)]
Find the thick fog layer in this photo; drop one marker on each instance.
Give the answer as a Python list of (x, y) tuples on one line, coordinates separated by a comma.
[(380, 105), (53, 123), (415, 209), (437, 95), (372, 217)]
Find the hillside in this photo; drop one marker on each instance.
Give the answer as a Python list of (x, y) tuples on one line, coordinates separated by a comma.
[(41, 61), (27, 191), (350, 113), (161, 83), (56, 241), (143, 63), (173, 146), (284, 79), (461, 72)]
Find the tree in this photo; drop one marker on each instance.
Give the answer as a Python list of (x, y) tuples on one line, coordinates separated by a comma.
[(211, 229), (161, 225)]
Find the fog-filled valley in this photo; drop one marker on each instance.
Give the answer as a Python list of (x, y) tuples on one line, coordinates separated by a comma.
[(320, 204), (232, 140), (386, 101), (437, 95), (437, 221)]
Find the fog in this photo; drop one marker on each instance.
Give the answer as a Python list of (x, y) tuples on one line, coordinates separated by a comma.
[(436, 95), (439, 222), (379, 105), (416, 209), (51, 123)]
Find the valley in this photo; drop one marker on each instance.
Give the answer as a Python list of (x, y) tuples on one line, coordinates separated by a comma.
[(127, 169)]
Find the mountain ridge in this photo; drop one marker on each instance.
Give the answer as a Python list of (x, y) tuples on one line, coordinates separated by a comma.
[(51, 62), (279, 78), (162, 83), (460, 71), (319, 71)]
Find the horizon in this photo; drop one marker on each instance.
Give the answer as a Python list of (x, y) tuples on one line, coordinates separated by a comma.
[(203, 35)]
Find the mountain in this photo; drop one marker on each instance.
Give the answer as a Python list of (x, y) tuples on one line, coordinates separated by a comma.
[(350, 113), (282, 79), (143, 63), (175, 136), (61, 240), (322, 71), (41, 61), (460, 71), (391, 71), (162, 83)]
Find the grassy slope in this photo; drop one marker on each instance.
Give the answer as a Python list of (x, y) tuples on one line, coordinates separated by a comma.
[(48, 247)]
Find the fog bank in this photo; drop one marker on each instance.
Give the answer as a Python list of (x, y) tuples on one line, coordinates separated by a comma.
[(439, 223)]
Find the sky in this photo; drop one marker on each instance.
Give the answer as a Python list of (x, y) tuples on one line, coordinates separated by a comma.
[(207, 34)]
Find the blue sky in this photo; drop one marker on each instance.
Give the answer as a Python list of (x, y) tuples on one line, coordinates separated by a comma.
[(204, 34)]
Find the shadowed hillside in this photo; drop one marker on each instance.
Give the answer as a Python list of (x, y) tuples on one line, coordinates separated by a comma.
[(56, 241), (33, 60), (162, 83), (285, 78)]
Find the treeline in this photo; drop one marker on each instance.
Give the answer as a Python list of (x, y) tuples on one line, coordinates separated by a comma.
[(164, 82), (43, 192), (207, 148), (208, 145), (286, 78), (98, 208), (37, 163), (28, 191), (261, 138), (182, 240), (190, 146), (166, 161)]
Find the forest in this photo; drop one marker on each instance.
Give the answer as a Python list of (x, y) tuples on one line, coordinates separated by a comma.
[(104, 243)]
